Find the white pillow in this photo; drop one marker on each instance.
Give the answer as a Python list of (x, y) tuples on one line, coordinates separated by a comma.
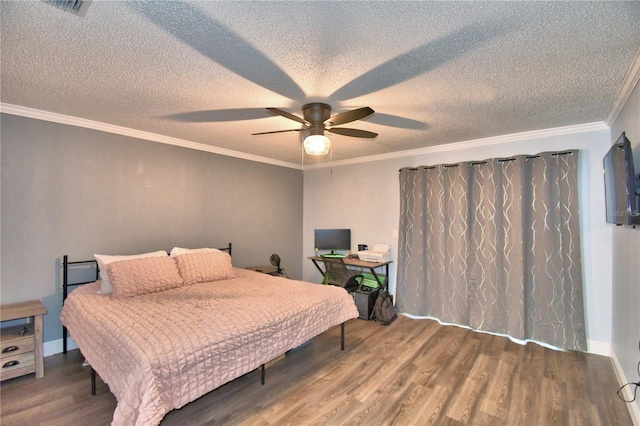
[(104, 259), (178, 251)]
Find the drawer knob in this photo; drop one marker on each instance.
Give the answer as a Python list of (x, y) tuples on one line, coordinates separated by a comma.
[(10, 349), (10, 364)]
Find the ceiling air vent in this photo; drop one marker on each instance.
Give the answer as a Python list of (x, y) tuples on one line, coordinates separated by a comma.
[(77, 7)]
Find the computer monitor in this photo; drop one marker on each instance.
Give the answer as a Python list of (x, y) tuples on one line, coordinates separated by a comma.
[(333, 239)]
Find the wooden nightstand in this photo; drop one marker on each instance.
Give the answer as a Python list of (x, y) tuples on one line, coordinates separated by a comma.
[(269, 270), (264, 269), (21, 346)]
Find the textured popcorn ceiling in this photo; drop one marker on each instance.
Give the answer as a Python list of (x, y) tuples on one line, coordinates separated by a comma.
[(434, 72)]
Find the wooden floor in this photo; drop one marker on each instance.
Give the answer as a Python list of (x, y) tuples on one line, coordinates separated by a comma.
[(413, 372)]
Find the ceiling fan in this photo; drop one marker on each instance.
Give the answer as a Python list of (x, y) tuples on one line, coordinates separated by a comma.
[(317, 119)]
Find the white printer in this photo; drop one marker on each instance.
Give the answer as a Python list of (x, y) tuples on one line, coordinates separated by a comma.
[(379, 253)]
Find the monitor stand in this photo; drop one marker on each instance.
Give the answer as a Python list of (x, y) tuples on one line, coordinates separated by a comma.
[(333, 254)]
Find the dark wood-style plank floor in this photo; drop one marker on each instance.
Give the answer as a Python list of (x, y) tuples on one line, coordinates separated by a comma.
[(413, 372)]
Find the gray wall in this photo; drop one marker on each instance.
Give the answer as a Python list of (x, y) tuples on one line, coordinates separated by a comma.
[(626, 252), (69, 190)]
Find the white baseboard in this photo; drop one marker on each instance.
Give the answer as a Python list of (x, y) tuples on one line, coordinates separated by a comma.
[(634, 410), (593, 346), (55, 346)]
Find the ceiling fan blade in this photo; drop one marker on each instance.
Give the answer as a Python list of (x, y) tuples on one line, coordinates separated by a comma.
[(356, 133), (277, 131), (349, 116), (278, 111)]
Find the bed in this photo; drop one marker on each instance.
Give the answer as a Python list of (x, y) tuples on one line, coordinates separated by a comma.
[(160, 344)]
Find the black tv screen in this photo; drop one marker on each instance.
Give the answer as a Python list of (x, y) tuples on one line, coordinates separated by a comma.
[(621, 184), (333, 239)]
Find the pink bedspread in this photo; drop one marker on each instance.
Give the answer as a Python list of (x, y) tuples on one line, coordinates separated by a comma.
[(160, 351)]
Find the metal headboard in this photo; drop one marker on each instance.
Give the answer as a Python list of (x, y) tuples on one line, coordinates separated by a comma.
[(66, 284)]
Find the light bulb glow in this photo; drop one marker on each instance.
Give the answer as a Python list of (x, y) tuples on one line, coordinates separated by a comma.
[(316, 144)]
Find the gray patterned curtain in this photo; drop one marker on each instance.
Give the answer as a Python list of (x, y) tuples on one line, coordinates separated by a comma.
[(495, 245)]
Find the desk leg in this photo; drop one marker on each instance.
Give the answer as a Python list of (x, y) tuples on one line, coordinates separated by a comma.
[(373, 272), (387, 272), (317, 267)]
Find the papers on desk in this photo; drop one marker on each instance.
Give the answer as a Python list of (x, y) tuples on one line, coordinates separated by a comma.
[(379, 253)]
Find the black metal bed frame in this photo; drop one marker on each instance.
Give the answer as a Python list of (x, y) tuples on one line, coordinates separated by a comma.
[(66, 284), (65, 293)]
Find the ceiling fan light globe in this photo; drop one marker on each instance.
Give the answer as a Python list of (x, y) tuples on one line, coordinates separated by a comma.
[(316, 145)]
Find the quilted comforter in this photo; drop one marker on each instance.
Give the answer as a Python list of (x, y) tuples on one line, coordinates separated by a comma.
[(159, 351)]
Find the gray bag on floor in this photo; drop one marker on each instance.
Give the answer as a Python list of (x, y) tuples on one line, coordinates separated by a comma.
[(384, 311)]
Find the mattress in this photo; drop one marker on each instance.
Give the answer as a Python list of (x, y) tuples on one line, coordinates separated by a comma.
[(159, 351)]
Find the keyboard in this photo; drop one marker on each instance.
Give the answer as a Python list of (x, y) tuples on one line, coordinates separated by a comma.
[(335, 255)]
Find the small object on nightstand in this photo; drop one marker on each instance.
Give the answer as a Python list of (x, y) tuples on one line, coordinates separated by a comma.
[(274, 270), (22, 345), (263, 269), (275, 261)]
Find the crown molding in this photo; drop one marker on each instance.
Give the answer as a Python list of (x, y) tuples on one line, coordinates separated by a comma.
[(497, 140), (153, 137), (138, 134), (628, 84)]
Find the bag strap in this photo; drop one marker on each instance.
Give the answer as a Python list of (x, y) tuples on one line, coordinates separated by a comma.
[(372, 314)]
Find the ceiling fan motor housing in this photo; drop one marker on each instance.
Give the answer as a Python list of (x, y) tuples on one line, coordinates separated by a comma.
[(316, 113)]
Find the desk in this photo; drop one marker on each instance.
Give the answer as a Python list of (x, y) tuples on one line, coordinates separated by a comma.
[(363, 264)]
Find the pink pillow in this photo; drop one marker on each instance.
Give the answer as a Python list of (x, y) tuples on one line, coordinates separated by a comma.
[(104, 259), (143, 275), (204, 266)]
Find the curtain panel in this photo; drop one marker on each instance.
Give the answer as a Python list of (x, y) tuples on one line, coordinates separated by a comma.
[(495, 245)]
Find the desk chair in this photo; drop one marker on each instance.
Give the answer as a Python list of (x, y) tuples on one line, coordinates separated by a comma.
[(337, 273)]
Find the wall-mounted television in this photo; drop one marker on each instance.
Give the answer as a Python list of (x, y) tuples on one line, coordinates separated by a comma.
[(621, 184), (333, 239)]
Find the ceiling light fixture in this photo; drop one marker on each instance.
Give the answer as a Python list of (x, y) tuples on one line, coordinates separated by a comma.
[(316, 144)]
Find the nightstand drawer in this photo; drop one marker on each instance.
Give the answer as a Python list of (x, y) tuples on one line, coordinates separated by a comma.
[(16, 346), (21, 364)]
